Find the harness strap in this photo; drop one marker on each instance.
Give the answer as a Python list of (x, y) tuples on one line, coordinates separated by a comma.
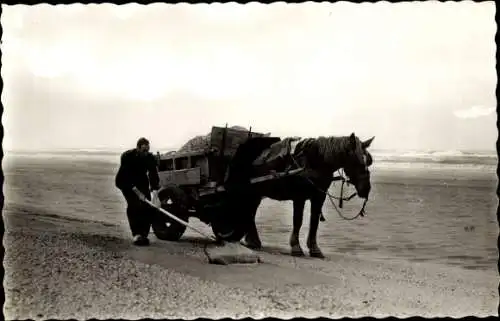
[(341, 200), (361, 213)]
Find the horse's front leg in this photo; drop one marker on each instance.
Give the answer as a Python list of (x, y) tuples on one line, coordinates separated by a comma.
[(298, 214), (316, 206)]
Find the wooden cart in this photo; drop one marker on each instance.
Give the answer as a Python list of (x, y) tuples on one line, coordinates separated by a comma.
[(192, 183)]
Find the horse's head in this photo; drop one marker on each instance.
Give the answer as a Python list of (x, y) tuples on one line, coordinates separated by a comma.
[(357, 165)]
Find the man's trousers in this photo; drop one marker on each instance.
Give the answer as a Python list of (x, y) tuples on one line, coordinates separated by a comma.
[(140, 214)]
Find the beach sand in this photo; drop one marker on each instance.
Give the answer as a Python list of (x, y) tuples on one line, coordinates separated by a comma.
[(68, 253)]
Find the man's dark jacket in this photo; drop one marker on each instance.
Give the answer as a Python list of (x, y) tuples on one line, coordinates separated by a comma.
[(134, 171)]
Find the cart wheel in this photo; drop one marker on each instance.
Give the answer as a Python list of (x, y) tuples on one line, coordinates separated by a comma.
[(227, 230), (175, 201)]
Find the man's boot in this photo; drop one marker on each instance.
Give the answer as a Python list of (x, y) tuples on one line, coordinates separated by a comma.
[(140, 240)]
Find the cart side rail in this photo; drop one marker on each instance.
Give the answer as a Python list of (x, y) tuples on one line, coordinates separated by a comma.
[(186, 176)]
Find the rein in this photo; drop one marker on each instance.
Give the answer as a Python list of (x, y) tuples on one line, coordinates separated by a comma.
[(361, 212), (341, 199)]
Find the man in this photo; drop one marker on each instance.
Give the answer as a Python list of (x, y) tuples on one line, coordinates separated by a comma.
[(136, 166)]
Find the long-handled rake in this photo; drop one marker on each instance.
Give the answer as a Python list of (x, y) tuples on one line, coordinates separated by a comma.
[(175, 218)]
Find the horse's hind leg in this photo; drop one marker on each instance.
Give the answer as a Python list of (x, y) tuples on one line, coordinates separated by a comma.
[(252, 238), (316, 206), (298, 214)]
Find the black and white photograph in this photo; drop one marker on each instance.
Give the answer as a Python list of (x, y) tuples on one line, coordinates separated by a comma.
[(226, 160)]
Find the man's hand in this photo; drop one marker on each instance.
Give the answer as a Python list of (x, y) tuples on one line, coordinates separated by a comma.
[(141, 196), (155, 199)]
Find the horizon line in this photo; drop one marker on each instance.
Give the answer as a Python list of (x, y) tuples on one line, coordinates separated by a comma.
[(116, 149)]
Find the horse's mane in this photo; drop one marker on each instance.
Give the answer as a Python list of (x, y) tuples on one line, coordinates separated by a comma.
[(332, 147), (329, 149)]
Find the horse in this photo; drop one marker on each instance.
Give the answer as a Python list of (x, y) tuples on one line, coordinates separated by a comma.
[(320, 157)]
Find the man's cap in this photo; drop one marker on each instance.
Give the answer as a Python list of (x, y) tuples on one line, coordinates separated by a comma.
[(142, 141)]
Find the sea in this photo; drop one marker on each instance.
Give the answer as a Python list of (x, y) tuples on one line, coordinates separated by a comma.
[(397, 159)]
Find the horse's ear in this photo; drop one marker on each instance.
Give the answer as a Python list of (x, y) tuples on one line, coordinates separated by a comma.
[(367, 143), (352, 140)]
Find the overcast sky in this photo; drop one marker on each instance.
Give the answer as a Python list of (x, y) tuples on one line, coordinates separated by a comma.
[(415, 75)]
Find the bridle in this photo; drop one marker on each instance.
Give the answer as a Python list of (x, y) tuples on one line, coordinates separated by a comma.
[(341, 199)]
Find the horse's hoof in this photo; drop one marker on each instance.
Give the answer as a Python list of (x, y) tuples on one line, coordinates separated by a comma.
[(316, 254), (254, 246), (298, 252)]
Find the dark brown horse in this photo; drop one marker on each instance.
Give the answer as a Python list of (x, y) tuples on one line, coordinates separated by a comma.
[(320, 157)]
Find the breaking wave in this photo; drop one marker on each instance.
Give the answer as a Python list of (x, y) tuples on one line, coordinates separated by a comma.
[(441, 157), (105, 155)]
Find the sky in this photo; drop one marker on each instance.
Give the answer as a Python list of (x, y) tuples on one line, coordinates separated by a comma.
[(417, 76)]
